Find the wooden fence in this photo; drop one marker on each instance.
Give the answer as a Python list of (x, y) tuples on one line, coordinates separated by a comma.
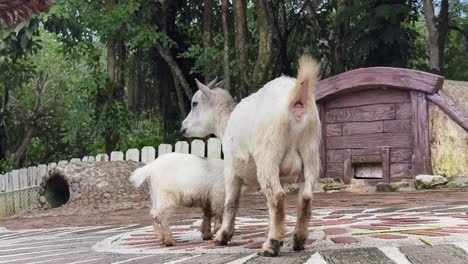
[(18, 187)]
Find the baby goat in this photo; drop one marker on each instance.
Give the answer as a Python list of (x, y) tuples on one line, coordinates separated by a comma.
[(184, 180)]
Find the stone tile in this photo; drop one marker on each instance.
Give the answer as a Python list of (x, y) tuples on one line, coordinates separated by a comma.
[(333, 216), (370, 227), (436, 254), (349, 211), (425, 233), (388, 236), (344, 240), (214, 258), (386, 210), (352, 256), (283, 258), (335, 231)]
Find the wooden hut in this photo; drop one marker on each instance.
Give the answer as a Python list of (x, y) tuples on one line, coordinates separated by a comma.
[(376, 123), (13, 12)]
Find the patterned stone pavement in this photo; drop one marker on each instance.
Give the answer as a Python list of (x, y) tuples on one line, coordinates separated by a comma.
[(331, 240)]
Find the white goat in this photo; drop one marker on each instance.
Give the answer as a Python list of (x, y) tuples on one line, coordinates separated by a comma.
[(271, 137), (184, 180)]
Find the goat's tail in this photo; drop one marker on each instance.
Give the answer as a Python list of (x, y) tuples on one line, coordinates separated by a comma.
[(303, 93), (139, 176)]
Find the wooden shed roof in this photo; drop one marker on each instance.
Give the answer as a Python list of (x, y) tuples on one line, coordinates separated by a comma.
[(13, 12), (458, 92), (453, 99)]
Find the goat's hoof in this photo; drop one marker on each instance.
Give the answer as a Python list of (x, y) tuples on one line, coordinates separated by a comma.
[(272, 248), (207, 236), (224, 239), (298, 243), (169, 242)]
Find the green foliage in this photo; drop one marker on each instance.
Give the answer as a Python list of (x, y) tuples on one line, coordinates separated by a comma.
[(69, 46)]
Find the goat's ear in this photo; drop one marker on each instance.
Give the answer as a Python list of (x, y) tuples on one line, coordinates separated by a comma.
[(205, 89), (211, 85), (220, 84)]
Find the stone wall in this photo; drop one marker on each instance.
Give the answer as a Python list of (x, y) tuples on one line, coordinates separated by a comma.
[(91, 185), (449, 144)]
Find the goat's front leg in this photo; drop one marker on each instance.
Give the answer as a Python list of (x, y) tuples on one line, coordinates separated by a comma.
[(205, 227), (232, 186), (311, 173), (268, 177)]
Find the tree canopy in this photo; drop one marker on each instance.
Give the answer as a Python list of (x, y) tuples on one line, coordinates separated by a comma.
[(95, 76)]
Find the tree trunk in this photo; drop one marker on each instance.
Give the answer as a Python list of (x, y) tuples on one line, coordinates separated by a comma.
[(337, 56), (180, 98), (116, 61), (265, 54), (442, 28), (240, 21), (433, 35), (3, 118), (227, 74), (207, 36), (177, 72), (20, 153)]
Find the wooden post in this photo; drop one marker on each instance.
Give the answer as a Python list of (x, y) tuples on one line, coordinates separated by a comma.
[(323, 151), (182, 147), (347, 166), (132, 154), (386, 164), (148, 154), (198, 148), (164, 149), (421, 148), (116, 155)]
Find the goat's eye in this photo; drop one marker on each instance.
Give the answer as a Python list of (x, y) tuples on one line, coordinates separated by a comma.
[(194, 104)]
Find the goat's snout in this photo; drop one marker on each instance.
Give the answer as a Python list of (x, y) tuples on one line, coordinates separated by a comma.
[(183, 130)]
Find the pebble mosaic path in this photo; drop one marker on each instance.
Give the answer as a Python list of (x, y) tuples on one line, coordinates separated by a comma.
[(330, 241)]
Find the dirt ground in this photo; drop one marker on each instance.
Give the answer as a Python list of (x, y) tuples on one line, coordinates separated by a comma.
[(250, 205)]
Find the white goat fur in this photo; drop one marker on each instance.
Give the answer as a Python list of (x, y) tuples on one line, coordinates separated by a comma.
[(185, 180), (274, 132)]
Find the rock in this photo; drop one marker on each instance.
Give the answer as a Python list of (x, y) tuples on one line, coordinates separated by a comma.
[(318, 187), (42, 199), (291, 188), (359, 185), (403, 186), (41, 191), (457, 182), (76, 178), (334, 186), (75, 186), (429, 181), (326, 180)]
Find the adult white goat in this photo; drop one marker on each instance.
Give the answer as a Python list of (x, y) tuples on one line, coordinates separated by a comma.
[(271, 137), (184, 180)]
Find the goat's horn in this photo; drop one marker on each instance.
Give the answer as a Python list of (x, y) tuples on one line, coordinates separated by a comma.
[(212, 83), (205, 89), (220, 84)]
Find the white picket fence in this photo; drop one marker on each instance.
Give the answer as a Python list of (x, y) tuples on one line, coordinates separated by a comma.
[(17, 188)]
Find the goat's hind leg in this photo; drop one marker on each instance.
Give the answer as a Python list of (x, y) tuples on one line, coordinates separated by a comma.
[(205, 227), (160, 215), (268, 177), (311, 172)]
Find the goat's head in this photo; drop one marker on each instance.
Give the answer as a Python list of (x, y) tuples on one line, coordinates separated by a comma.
[(201, 120)]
